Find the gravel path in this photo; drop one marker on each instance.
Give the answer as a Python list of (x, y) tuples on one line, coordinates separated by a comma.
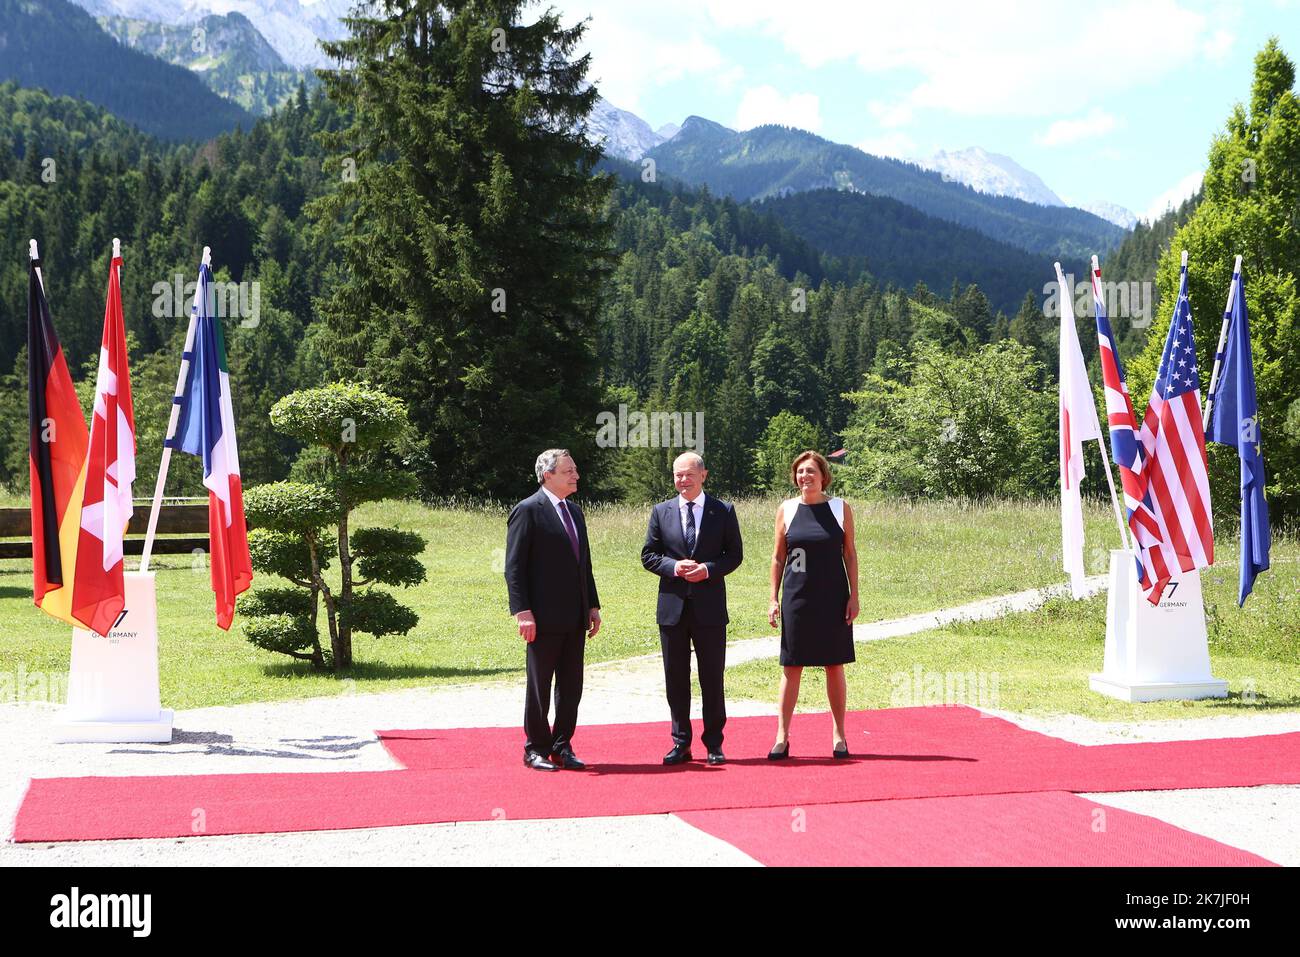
[(337, 734)]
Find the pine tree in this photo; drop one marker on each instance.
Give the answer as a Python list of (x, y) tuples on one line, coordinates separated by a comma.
[(1027, 327), (730, 431), (785, 379), (1250, 203), (472, 233)]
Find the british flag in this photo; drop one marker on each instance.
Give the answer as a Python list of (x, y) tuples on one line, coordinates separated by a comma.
[(1128, 452)]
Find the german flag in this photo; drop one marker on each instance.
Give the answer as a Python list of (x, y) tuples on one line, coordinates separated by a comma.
[(59, 440)]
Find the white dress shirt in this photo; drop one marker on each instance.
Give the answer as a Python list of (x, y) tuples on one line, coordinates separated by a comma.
[(555, 503), (698, 507)]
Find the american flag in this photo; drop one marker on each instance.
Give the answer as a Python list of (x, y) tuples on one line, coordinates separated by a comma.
[(1173, 441), (1129, 453)]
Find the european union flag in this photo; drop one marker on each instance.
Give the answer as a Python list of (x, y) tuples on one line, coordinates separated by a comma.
[(1235, 422)]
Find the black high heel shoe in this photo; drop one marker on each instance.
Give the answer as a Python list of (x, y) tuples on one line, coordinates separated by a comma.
[(837, 753), (775, 755)]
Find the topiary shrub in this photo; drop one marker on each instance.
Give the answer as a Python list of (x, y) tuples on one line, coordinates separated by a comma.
[(300, 525)]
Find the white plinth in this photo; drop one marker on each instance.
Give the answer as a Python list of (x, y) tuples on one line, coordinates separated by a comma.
[(1155, 652), (158, 731), (113, 679)]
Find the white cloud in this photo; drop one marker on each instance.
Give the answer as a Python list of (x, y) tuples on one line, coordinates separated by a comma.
[(636, 47), (1174, 196), (765, 104), (1030, 59), (894, 143), (1091, 127), (1217, 47), (890, 115), (728, 78)]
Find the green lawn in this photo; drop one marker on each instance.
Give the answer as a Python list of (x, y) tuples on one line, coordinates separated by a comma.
[(913, 558), (1039, 662)]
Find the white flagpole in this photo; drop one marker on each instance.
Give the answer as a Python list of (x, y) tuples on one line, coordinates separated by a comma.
[(31, 249), (1114, 499), (1105, 456), (1223, 339), (181, 378)]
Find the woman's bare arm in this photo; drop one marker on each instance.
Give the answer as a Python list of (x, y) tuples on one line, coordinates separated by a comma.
[(850, 564), (778, 566)]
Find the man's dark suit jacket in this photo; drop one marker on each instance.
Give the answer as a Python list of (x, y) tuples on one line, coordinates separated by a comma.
[(541, 572), (717, 547)]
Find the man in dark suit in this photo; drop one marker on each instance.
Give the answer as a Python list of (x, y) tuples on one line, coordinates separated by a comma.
[(553, 598), (692, 543)]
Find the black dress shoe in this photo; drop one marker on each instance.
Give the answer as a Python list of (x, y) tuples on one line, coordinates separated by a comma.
[(717, 757), (775, 755), (568, 760), (680, 754), (537, 762), (841, 753)]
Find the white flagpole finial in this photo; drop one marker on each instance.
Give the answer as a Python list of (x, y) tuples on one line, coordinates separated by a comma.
[(31, 249), (1095, 265), (207, 256), (117, 248), (1184, 258), (1236, 267)]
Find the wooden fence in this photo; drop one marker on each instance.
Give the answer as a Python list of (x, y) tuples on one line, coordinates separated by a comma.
[(182, 527)]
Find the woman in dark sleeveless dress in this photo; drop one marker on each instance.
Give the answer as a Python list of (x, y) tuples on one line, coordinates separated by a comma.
[(814, 593)]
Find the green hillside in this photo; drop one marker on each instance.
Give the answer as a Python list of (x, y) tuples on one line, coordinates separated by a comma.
[(901, 245), (58, 47)]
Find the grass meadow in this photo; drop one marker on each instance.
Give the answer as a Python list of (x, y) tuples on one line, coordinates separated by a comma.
[(913, 557), (1039, 662)]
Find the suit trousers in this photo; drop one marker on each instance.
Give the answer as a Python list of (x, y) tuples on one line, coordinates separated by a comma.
[(711, 659), (554, 655)]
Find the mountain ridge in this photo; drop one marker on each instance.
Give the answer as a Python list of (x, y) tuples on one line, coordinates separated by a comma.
[(227, 52), (773, 160), (291, 27), (57, 46)]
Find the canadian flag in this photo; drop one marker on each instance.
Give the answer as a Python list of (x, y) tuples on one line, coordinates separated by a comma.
[(98, 591)]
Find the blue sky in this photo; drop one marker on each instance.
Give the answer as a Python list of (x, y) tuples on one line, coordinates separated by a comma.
[(1113, 101)]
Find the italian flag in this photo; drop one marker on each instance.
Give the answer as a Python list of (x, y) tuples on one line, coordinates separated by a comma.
[(206, 428)]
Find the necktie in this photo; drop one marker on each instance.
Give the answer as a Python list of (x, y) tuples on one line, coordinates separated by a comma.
[(690, 528), (568, 526)]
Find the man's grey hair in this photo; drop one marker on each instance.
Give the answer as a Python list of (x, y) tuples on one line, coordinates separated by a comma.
[(547, 461), (698, 459)]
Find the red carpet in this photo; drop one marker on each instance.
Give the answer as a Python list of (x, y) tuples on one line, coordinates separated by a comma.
[(477, 774), (1045, 829), (907, 752)]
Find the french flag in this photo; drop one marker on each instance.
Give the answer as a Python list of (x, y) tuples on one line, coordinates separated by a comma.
[(206, 428)]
